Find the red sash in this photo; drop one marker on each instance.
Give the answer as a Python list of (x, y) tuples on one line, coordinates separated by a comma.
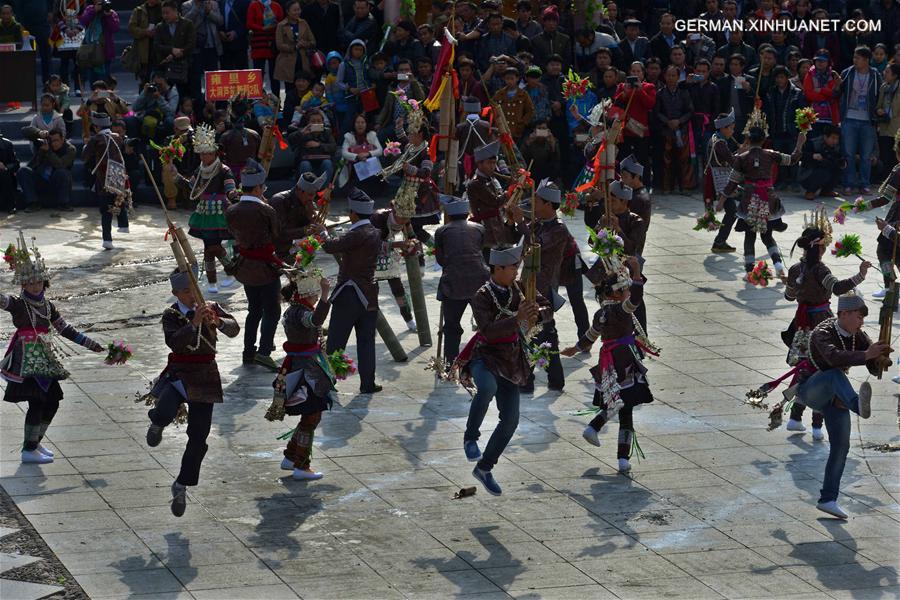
[(264, 253), (801, 318), (483, 215), (289, 347), (479, 338)]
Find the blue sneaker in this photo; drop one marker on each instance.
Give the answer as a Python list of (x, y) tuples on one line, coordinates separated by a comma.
[(472, 451), (487, 479)]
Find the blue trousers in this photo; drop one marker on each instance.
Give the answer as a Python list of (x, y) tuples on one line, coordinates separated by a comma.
[(857, 137), (818, 393), (507, 394)]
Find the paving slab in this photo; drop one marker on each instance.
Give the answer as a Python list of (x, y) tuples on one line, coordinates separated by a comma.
[(717, 507)]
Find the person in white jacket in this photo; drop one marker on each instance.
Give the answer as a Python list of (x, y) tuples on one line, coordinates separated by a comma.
[(359, 145)]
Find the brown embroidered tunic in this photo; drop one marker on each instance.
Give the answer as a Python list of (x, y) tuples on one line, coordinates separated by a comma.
[(457, 248), (486, 201), (201, 380), (358, 247)]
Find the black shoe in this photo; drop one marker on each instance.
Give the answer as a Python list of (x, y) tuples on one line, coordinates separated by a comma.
[(179, 499), (66, 208), (779, 225), (556, 388), (374, 389), (154, 435), (722, 247), (32, 208), (526, 389)]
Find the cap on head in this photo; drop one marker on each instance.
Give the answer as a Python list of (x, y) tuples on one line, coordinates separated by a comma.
[(631, 165), (308, 182), (549, 192), (101, 120), (487, 151), (725, 121), (180, 280), (505, 257), (360, 203), (252, 175), (620, 190), (454, 206), (852, 301)]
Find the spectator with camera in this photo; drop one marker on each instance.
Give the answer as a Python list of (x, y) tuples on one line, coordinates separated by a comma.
[(154, 110), (49, 173), (314, 146)]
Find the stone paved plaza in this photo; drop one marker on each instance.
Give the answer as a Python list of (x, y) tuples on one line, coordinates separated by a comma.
[(718, 508)]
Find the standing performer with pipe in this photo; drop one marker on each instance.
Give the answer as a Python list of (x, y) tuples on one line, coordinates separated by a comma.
[(457, 248), (355, 297), (254, 225), (486, 199)]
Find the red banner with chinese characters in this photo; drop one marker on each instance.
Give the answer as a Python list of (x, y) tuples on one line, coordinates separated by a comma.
[(223, 85)]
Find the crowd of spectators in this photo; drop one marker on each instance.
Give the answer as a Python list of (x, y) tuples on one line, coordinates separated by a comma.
[(337, 69)]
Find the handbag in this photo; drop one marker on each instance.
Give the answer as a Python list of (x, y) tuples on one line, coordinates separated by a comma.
[(316, 60), (369, 100), (130, 60), (90, 55), (177, 71)]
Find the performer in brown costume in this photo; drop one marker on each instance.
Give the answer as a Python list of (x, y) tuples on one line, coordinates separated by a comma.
[(191, 377)]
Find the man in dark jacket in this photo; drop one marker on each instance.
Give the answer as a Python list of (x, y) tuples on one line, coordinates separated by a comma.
[(822, 163), (9, 166), (254, 225), (234, 33), (736, 90), (324, 18), (362, 26), (173, 45), (32, 14), (551, 40), (457, 248), (662, 43), (673, 113), (355, 297), (736, 45), (634, 46), (781, 103)]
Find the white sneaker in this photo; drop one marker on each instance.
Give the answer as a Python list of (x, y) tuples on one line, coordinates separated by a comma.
[(287, 464), (107, 245), (226, 282), (436, 267), (896, 378), (818, 434), (33, 456), (832, 508), (624, 465), (793, 425), (411, 324), (212, 289), (865, 400), (591, 436), (45, 452), (779, 269), (307, 475), (879, 293), (123, 230)]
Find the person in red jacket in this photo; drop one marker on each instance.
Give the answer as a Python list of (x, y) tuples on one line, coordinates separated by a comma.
[(262, 18), (821, 86), (637, 118)]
